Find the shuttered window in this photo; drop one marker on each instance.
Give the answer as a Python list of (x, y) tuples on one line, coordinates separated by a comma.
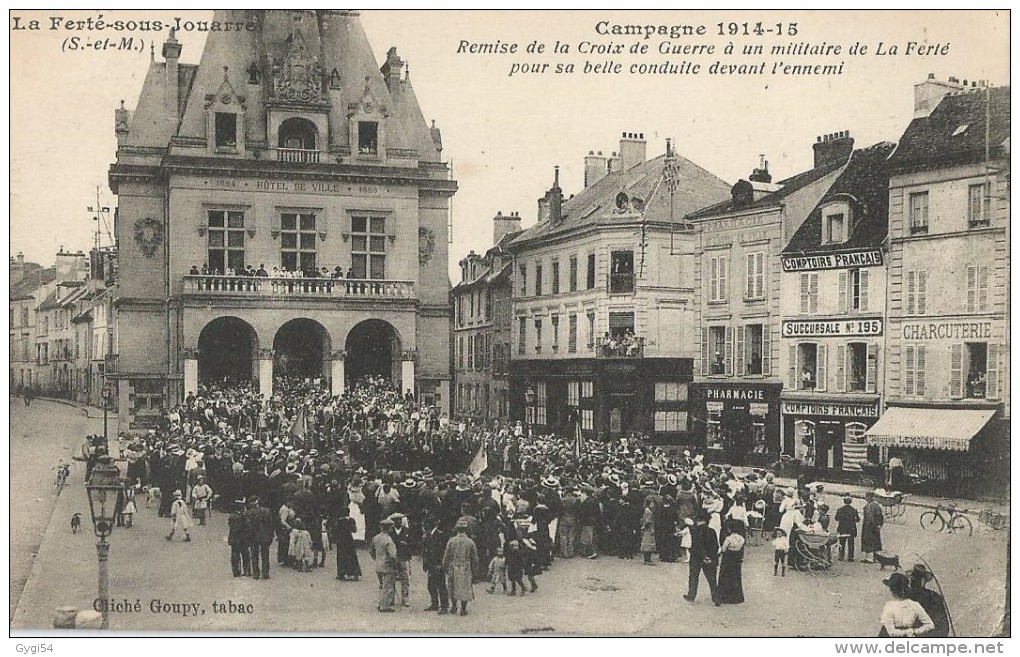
[(755, 284), (808, 293), (977, 289), (917, 292)]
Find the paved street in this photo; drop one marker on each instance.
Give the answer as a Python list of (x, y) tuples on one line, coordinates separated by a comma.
[(40, 436), (577, 597)]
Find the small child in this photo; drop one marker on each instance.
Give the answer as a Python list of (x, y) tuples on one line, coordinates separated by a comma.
[(515, 567), (300, 546), (497, 571), (685, 541), (129, 504), (823, 517), (782, 544)]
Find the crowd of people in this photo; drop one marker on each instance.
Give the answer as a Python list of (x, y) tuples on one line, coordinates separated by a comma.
[(495, 504), (276, 272)]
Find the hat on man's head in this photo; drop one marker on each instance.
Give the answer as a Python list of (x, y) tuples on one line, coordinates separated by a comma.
[(920, 571), (847, 499), (386, 522)]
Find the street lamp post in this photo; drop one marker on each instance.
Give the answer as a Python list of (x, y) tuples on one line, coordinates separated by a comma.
[(529, 403), (104, 487), (106, 408)]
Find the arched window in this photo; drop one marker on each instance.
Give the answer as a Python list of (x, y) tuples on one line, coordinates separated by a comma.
[(297, 134)]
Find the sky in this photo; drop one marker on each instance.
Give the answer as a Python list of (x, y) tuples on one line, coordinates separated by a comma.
[(504, 134)]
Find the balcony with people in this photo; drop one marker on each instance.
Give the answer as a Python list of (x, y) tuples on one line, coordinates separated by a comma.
[(620, 344), (320, 283)]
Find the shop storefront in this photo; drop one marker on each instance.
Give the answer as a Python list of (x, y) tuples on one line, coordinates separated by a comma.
[(952, 449), (610, 397), (828, 434), (737, 422)]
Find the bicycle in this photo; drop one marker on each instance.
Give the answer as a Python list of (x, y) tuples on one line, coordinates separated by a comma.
[(955, 522)]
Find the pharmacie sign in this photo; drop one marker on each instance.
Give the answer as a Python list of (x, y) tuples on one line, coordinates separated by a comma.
[(870, 258), (832, 328)]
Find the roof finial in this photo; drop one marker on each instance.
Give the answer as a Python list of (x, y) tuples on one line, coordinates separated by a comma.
[(225, 70), (407, 71)]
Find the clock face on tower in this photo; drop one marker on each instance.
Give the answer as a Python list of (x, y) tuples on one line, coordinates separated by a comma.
[(426, 245)]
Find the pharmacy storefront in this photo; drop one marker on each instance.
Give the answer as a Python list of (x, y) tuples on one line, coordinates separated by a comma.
[(737, 423)]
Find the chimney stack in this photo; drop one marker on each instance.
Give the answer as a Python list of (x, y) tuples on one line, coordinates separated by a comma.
[(632, 149), (70, 266), (614, 163), (595, 168), (503, 225), (17, 268), (172, 54), (761, 174), (928, 94), (556, 198), (834, 147), (391, 71)]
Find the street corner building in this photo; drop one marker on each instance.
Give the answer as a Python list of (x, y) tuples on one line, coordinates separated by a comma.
[(604, 319), (283, 210)]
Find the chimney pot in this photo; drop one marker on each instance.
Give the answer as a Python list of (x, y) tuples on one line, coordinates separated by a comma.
[(931, 76)]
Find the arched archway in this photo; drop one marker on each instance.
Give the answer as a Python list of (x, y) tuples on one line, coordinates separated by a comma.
[(373, 349), (297, 133), (226, 350), (302, 349)]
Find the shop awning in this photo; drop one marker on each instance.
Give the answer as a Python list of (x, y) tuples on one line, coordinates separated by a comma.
[(929, 428)]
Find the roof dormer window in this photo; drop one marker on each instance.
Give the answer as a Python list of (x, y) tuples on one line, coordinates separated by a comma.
[(836, 223), (368, 137), (226, 130)]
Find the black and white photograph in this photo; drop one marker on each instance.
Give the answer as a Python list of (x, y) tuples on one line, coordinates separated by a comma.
[(547, 323)]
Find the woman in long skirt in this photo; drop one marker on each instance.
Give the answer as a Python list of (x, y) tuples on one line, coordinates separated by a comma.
[(347, 565), (731, 586)]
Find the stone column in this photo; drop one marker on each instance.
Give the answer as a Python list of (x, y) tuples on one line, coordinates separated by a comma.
[(337, 383), (190, 370), (265, 361), (407, 371)]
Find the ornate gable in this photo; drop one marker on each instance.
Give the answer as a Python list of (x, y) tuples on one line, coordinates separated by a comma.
[(368, 106), (226, 96), (298, 77)]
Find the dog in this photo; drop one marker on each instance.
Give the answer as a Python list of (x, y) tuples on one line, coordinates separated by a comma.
[(75, 523), (153, 494), (893, 561)]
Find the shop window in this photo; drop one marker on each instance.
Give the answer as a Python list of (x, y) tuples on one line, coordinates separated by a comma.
[(588, 419), (368, 137), (919, 213), (713, 428), (573, 393), (226, 130), (621, 275), (805, 431), (670, 421), (759, 412), (670, 391)]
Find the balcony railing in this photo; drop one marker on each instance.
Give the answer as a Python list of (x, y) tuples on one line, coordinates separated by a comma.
[(299, 155), (321, 288), (621, 283), (626, 347)]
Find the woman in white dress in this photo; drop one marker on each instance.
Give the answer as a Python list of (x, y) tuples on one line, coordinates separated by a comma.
[(902, 616)]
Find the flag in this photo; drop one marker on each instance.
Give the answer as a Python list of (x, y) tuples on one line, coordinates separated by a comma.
[(479, 463), (580, 446), (297, 430)]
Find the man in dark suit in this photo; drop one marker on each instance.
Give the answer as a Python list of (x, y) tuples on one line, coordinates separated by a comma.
[(704, 557), (846, 526), (262, 528), (432, 549), (401, 538), (239, 539)]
